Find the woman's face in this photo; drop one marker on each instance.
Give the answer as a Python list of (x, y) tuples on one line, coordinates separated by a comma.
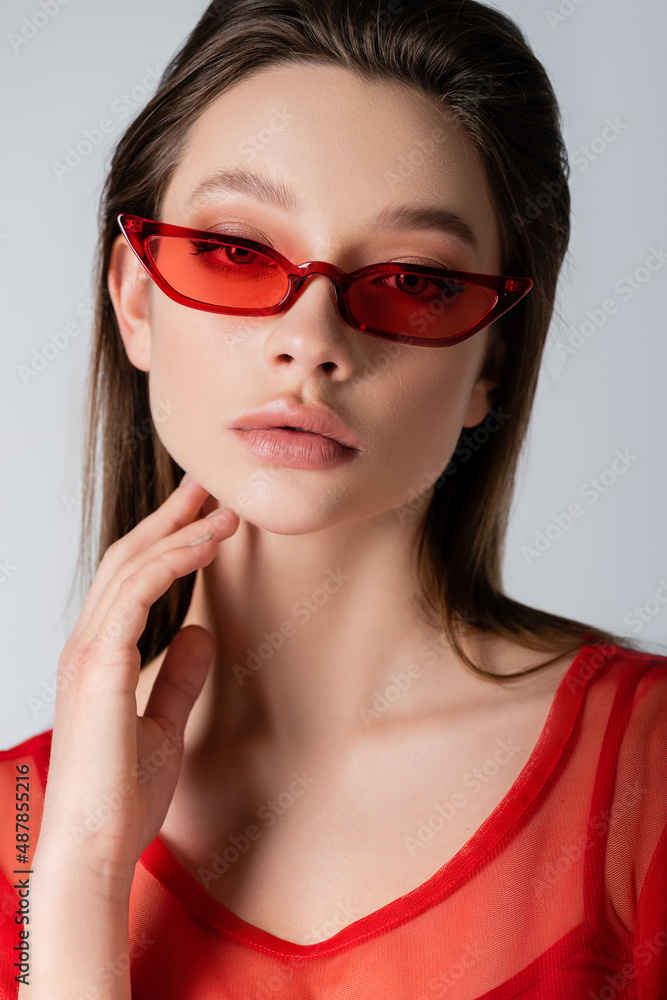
[(348, 149)]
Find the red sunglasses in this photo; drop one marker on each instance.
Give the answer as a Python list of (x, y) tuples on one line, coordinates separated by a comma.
[(426, 306)]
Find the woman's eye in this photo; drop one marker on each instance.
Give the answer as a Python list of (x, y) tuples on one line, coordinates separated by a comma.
[(224, 254), (419, 285)]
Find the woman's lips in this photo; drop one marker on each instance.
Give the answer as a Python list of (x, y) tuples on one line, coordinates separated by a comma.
[(294, 449)]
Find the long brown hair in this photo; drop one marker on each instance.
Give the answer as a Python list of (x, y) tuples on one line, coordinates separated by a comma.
[(477, 63)]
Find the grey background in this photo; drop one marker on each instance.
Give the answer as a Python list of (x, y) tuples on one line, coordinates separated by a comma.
[(90, 60)]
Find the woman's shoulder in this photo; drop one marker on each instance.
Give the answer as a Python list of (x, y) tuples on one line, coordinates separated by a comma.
[(628, 720), (639, 707), (612, 686), (624, 689), (613, 663), (639, 675)]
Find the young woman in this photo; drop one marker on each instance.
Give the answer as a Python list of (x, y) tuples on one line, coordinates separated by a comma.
[(304, 745)]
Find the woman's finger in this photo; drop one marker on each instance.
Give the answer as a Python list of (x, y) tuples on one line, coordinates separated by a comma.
[(119, 618), (110, 576), (221, 523), (181, 507), (180, 679)]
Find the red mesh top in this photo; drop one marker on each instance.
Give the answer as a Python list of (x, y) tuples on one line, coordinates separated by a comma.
[(525, 909)]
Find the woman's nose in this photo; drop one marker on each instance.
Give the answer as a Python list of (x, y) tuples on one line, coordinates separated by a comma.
[(311, 333)]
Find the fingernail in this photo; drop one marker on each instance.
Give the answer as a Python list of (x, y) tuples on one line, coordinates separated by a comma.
[(186, 479), (202, 538)]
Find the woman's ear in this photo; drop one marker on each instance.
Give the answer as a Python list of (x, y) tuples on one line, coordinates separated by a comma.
[(129, 288), (484, 391)]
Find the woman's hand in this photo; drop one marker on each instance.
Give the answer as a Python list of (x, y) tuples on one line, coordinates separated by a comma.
[(112, 774)]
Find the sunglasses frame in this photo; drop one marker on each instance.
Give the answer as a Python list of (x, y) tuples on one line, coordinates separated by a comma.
[(137, 230)]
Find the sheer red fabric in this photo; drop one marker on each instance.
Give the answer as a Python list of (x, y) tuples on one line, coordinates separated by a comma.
[(561, 893)]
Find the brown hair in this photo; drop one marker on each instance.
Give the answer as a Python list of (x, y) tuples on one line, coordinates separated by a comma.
[(475, 61)]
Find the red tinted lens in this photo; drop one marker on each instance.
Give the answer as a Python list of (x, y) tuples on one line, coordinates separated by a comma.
[(418, 305), (217, 274)]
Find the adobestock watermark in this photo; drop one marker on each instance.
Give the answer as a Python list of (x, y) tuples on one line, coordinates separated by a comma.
[(387, 353), (383, 700), (7, 569), (267, 987), (259, 482), (641, 614), (591, 491), (42, 356), (428, 147), (533, 207), (422, 316), (600, 824), (469, 443), (61, 679), (591, 661), (302, 610), (485, 85), (268, 814), (381, 19), (473, 780), (564, 11), (645, 951), (31, 26), (161, 409), (401, 682), (422, 151), (122, 108), (127, 612), (568, 344), (441, 984), (69, 670), (94, 819), (585, 155), (344, 914), (259, 140), (110, 971)]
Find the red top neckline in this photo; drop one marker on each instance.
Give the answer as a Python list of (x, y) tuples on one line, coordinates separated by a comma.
[(181, 884)]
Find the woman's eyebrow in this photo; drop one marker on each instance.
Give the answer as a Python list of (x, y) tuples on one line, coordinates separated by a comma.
[(411, 217), (246, 182), (403, 217)]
